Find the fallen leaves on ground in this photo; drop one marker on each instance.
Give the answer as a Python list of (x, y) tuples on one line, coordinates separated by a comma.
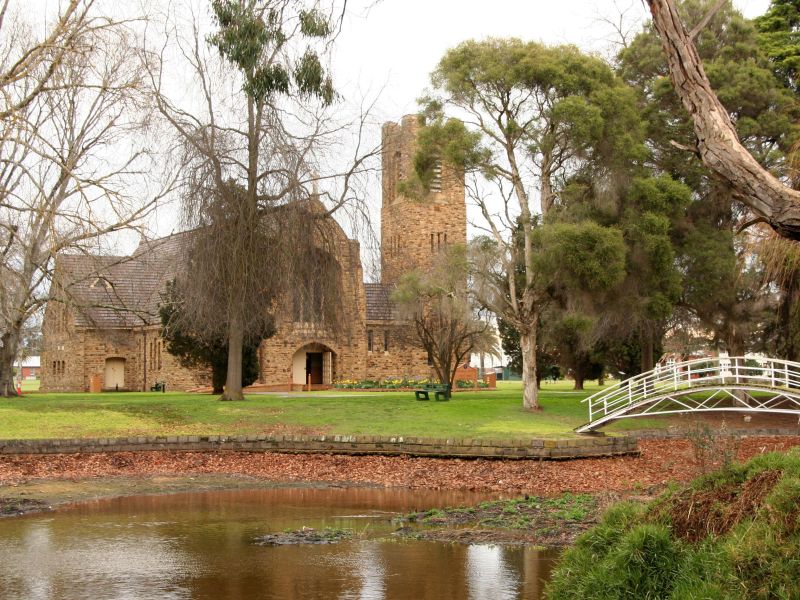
[(660, 462)]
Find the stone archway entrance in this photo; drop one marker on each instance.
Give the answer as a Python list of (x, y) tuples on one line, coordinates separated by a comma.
[(314, 363)]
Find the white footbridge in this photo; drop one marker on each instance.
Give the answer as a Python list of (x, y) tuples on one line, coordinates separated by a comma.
[(738, 384)]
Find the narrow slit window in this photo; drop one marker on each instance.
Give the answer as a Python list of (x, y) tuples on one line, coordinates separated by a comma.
[(432, 243), (436, 177), (369, 340), (385, 340)]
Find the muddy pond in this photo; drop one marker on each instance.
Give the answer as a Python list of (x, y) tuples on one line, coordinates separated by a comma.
[(205, 545)]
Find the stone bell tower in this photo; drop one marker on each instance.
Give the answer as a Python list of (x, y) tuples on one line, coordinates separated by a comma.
[(414, 230)]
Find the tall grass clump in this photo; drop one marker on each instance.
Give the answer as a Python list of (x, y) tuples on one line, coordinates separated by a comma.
[(730, 535)]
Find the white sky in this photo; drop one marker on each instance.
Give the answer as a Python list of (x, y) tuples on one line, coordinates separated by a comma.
[(393, 45), (387, 49)]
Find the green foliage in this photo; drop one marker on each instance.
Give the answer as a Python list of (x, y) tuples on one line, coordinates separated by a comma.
[(636, 551), (195, 351), (255, 40), (581, 256), (314, 24), (546, 356), (575, 105), (779, 38)]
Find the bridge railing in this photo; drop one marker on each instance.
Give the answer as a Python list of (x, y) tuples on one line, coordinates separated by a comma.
[(736, 371)]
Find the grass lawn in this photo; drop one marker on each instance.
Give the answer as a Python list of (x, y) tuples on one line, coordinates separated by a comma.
[(486, 414), (30, 385)]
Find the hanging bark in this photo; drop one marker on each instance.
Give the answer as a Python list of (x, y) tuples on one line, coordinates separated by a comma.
[(718, 144)]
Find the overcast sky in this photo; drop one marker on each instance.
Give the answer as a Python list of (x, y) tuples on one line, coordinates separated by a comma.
[(387, 49), (393, 45)]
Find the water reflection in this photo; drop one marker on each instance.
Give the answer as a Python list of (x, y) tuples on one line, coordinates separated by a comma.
[(200, 546)]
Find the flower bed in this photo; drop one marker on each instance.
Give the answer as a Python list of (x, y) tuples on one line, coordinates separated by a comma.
[(380, 384), (399, 384)]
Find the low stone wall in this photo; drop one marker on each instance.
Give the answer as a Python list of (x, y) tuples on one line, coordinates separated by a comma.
[(684, 432), (543, 449)]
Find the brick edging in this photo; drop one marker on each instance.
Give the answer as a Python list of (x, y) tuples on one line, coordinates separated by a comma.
[(542, 449)]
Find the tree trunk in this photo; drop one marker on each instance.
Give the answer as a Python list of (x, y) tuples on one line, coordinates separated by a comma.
[(530, 392), (646, 342), (233, 382), (547, 196), (578, 381), (736, 345), (7, 355), (601, 379), (717, 141)]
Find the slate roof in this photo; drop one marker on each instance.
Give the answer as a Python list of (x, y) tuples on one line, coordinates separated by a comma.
[(121, 291), (379, 306), (125, 291)]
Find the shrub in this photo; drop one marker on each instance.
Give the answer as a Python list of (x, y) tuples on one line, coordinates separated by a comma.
[(732, 534)]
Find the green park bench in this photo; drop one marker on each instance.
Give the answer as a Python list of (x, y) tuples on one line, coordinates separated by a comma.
[(159, 386), (441, 392)]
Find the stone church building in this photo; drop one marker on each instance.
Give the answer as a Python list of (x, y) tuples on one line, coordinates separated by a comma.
[(107, 335)]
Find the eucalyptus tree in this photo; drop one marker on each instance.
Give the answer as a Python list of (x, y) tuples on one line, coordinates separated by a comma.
[(717, 141), (723, 285), (252, 146), (649, 213), (520, 117), (74, 157)]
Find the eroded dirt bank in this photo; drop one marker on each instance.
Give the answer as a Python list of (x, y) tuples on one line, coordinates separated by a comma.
[(661, 461)]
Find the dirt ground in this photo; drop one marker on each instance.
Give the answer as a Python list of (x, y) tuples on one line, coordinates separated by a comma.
[(660, 462)]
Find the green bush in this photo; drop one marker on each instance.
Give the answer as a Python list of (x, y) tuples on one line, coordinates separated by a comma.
[(744, 543)]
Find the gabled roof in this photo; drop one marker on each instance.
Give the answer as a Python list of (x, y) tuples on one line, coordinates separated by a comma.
[(379, 304), (120, 291), (29, 361)]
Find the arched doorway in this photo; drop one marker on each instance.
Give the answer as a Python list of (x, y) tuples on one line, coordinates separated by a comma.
[(114, 378), (314, 362)]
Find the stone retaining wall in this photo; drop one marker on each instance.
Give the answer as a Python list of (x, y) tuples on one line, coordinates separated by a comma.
[(543, 449), (683, 433)]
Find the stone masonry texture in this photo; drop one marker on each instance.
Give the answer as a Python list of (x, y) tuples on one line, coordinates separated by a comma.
[(104, 326)]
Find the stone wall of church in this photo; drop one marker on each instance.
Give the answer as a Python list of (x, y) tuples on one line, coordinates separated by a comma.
[(276, 353), (397, 356), (349, 341), (72, 356)]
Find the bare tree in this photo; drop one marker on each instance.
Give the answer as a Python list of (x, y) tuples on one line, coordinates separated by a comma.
[(68, 158), (718, 145), (252, 149), (443, 315)]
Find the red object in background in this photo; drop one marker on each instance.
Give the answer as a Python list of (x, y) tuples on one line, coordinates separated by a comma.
[(19, 389)]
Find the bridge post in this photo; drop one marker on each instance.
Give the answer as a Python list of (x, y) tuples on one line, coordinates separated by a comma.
[(772, 373)]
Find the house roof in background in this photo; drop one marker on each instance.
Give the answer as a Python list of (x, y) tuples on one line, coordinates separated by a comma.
[(29, 361)]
